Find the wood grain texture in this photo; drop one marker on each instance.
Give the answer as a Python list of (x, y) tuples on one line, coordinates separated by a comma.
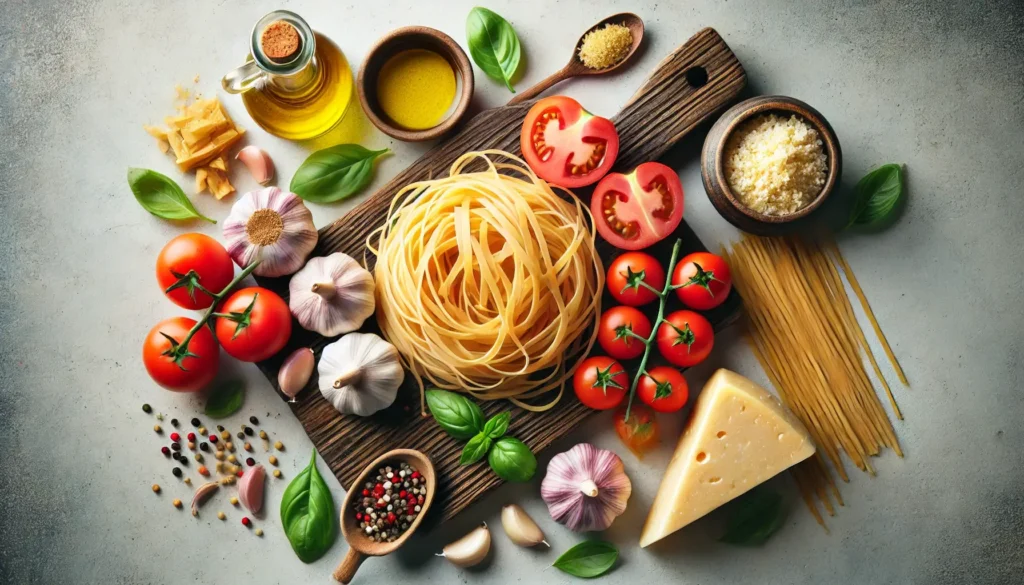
[(663, 110)]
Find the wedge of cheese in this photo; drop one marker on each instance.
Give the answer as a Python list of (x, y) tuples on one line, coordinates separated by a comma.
[(738, 437)]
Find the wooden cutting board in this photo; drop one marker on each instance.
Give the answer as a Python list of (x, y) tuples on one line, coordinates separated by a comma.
[(695, 81)]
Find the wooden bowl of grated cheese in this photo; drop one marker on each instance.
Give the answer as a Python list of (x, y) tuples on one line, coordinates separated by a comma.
[(769, 162)]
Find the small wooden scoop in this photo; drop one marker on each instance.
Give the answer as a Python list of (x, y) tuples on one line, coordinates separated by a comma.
[(360, 546), (576, 68)]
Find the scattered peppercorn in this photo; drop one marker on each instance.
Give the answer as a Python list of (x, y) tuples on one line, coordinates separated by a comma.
[(254, 420), (188, 481), (204, 471), (225, 435), (219, 455), (213, 439), (230, 446), (175, 455), (177, 472), (250, 462), (232, 459), (147, 408), (263, 434), (259, 532), (191, 446), (240, 435), (165, 451), (199, 457), (156, 488), (272, 460), (183, 461), (234, 501), (279, 446), (245, 521), (174, 422), (248, 446), (204, 447), (220, 428), (191, 437), (176, 446), (157, 429), (195, 422), (177, 503), (175, 437), (221, 515), (239, 473), (202, 431), (249, 431), (277, 473)]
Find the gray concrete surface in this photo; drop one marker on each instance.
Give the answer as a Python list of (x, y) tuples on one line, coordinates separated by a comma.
[(937, 85)]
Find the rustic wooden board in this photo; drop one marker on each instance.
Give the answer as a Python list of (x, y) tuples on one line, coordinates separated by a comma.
[(673, 100)]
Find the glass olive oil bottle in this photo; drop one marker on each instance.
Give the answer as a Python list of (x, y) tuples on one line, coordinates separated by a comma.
[(296, 83)]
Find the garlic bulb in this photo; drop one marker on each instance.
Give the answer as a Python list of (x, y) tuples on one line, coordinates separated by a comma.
[(258, 162), (586, 488), (250, 489), (295, 372), (520, 528), (273, 226), (471, 549), (331, 295), (360, 374)]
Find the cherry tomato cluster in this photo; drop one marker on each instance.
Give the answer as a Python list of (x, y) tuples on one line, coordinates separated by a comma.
[(684, 338), (251, 324)]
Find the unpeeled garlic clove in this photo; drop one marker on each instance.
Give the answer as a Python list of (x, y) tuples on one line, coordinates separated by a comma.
[(258, 162), (250, 489), (520, 527), (469, 550), (202, 493), (295, 372)]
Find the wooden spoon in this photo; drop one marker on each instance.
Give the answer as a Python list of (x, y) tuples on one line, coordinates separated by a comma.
[(576, 68), (360, 546)]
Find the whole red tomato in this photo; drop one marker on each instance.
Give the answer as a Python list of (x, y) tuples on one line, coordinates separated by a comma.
[(664, 389), (191, 373), (685, 338), (600, 382), (567, 145), (613, 333), (704, 280), (638, 209), (640, 432), (625, 274), (191, 261), (257, 326)]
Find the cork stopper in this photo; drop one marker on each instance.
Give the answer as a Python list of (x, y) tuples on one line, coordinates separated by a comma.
[(280, 41)]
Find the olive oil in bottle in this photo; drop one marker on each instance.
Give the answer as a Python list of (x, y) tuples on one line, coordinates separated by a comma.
[(296, 84)]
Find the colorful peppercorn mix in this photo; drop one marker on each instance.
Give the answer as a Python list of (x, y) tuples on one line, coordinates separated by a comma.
[(390, 502)]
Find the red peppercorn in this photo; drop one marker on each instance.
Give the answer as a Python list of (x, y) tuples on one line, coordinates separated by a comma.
[(402, 494), (366, 493), (213, 438), (192, 437), (250, 462), (166, 451), (419, 500), (359, 516), (415, 475), (246, 521), (239, 473), (175, 437), (391, 518)]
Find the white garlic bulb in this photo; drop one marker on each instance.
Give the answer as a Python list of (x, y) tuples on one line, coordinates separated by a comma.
[(360, 374), (272, 226), (586, 488), (331, 295)]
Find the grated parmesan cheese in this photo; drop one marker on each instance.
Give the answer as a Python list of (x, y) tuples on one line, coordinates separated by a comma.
[(604, 47), (775, 165)]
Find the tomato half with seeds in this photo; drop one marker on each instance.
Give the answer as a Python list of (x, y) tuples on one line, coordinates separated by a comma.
[(186, 371), (253, 324), (685, 338), (703, 279), (190, 263), (600, 382), (638, 209), (664, 389), (567, 145), (640, 432), (617, 329), (628, 271)]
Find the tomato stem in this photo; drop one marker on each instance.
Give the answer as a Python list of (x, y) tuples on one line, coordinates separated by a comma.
[(662, 297)]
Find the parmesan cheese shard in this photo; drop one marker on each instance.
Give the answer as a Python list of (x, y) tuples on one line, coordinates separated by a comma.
[(738, 437)]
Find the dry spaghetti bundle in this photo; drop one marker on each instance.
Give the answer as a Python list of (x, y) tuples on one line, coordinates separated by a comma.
[(804, 333), (488, 281)]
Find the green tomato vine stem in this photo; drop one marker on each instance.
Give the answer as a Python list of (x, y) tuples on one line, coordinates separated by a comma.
[(649, 341), (182, 348)]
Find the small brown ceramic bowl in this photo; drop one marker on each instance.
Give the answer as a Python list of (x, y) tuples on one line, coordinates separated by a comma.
[(359, 545), (712, 164), (403, 39)]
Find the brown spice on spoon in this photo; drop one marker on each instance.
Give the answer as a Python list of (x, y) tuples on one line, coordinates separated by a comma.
[(264, 228), (280, 41)]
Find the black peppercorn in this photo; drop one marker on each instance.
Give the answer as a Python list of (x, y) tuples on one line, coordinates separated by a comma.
[(147, 408), (176, 471), (195, 422), (249, 431), (183, 461), (204, 447), (254, 420), (176, 446), (241, 435), (220, 429)]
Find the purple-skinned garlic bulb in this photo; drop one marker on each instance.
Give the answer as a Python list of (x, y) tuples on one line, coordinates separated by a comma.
[(586, 488), (273, 226)]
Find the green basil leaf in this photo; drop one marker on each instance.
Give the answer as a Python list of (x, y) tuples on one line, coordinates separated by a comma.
[(458, 415), (879, 196), (493, 44), (497, 426), (512, 460), (307, 514), (161, 196), (334, 173), (754, 518), (475, 449), (225, 399), (588, 559)]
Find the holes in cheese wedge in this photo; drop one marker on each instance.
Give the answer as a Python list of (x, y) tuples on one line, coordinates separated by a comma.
[(702, 457), (720, 434)]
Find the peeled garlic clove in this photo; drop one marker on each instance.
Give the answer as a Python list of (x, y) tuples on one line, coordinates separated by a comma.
[(250, 489), (258, 162), (469, 550), (520, 528), (202, 493), (295, 372)]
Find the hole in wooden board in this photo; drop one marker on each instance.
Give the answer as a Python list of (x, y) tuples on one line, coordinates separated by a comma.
[(696, 76)]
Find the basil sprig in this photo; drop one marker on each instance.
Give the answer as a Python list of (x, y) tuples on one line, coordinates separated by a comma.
[(588, 559), (493, 44), (754, 518), (161, 196), (334, 173), (460, 417), (307, 514), (878, 197), (225, 399)]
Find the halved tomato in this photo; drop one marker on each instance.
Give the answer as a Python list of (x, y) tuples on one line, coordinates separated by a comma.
[(639, 209), (567, 145)]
